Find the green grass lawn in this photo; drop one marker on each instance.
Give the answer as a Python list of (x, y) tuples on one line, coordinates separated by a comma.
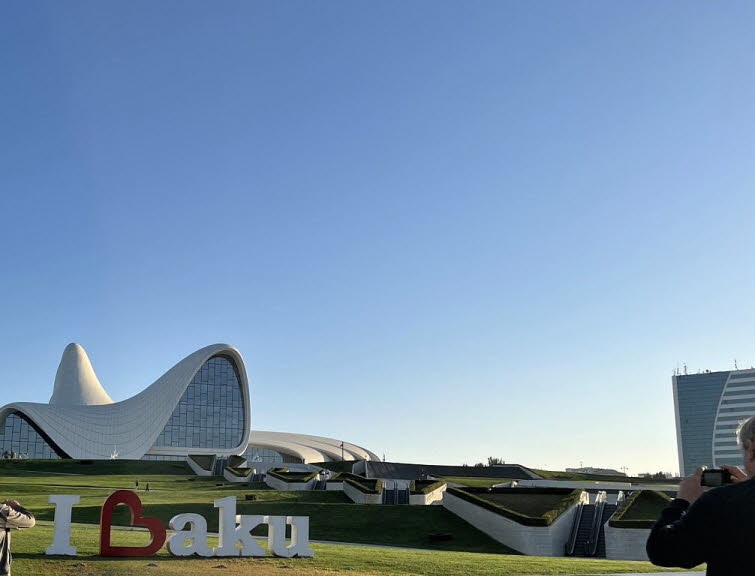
[(475, 482), (332, 517), (329, 559), (534, 505), (554, 475), (576, 476), (646, 506), (332, 514)]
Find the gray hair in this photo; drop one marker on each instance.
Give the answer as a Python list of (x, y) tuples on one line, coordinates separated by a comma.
[(746, 433)]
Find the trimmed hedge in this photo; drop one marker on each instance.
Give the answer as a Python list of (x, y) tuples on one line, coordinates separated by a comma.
[(650, 501), (425, 486), (335, 477), (291, 477), (570, 497), (364, 485)]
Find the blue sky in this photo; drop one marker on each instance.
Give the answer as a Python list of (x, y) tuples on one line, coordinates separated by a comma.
[(441, 230)]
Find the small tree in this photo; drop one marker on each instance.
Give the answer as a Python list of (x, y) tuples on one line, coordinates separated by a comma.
[(495, 461)]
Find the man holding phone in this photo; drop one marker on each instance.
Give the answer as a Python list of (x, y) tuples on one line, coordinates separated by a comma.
[(12, 516), (712, 526)]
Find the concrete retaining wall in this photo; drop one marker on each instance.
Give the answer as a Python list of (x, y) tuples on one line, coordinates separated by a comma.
[(233, 478), (277, 484), (434, 497), (197, 469), (360, 497), (531, 540), (626, 543)]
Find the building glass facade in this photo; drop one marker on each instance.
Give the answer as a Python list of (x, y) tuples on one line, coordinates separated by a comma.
[(257, 454), (20, 439), (163, 458), (697, 397), (737, 404), (210, 413)]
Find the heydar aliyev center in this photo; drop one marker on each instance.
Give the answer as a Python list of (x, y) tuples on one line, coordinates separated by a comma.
[(200, 406)]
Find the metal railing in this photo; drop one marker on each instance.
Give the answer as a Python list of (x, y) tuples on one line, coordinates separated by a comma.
[(572, 542)]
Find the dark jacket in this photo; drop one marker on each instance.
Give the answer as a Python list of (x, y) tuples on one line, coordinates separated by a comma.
[(16, 517), (718, 528)]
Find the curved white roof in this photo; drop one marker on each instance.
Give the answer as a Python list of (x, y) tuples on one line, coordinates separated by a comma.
[(309, 448), (131, 427), (83, 421), (75, 382)]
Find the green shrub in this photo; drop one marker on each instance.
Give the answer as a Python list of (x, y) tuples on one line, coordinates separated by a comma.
[(558, 499)]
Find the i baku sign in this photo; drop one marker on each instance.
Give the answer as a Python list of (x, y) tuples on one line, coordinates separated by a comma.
[(189, 530)]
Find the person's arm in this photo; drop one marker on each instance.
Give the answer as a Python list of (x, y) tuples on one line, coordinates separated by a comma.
[(16, 516), (682, 535)]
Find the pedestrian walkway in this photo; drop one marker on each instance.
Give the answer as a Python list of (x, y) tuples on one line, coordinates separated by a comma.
[(650, 574), (655, 574)]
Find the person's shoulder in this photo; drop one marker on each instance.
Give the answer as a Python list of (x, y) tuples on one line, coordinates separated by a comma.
[(731, 492)]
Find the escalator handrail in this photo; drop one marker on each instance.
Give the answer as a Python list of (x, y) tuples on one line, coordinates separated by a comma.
[(597, 522), (572, 543)]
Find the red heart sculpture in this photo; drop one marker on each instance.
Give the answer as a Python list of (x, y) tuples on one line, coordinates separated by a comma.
[(130, 499)]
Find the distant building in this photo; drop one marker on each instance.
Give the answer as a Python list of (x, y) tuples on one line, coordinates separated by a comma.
[(657, 475), (597, 471), (708, 408)]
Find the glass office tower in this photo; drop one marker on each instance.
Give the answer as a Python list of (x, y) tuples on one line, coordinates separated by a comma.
[(709, 407)]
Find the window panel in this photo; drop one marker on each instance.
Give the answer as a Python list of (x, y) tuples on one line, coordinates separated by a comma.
[(19, 436), (208, 414)]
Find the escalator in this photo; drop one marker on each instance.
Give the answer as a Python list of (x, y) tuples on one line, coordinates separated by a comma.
[(588, 532)]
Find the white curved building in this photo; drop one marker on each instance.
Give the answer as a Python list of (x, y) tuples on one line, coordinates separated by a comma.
[(200, 406)]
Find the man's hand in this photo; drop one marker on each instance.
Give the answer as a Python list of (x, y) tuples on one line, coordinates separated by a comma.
[(689, 488), (737, 474)]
